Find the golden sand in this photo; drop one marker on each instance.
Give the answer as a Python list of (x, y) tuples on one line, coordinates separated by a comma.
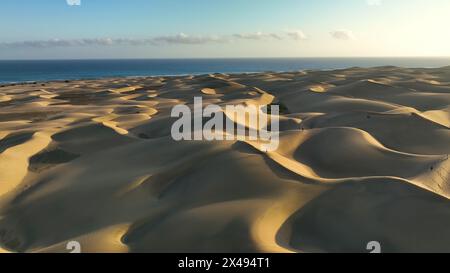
[(363, 156)]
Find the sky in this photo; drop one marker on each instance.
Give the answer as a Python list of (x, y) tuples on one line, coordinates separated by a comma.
[(62, 29)]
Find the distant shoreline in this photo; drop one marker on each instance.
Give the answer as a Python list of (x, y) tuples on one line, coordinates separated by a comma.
[(68, 80), (228, 58), (60, 70)]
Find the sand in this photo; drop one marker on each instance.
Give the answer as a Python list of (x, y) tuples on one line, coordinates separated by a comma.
[(363, 156)]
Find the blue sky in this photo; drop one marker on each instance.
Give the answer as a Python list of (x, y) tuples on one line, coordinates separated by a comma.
[(47, 29)]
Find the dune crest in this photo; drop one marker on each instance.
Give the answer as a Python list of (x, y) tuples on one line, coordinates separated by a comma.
[(363, 156)]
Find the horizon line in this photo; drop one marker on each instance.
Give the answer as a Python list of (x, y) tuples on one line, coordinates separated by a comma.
[(231, 58)]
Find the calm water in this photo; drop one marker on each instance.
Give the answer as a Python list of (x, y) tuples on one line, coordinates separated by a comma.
[(21, 71)]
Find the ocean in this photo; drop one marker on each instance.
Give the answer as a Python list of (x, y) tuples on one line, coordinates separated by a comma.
[(48, 70)]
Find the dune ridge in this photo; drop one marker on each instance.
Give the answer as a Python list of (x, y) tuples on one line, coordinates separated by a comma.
[(363, 156)]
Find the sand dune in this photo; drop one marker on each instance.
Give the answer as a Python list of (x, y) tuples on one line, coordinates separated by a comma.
[(363, 156)]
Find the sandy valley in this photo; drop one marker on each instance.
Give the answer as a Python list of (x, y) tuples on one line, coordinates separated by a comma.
[(363, 156)]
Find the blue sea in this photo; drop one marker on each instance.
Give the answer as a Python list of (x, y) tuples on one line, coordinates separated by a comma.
[(47, 70)]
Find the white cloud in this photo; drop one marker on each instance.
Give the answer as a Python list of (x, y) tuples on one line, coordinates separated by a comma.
[(296, 35), (170, 39), (177, 39), (343, 34), (257, 36), (187, 39), (75, 42)]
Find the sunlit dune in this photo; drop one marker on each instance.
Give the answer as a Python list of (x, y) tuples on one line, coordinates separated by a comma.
[(363, 156)]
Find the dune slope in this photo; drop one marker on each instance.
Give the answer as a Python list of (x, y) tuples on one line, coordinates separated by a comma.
[(363, 156)]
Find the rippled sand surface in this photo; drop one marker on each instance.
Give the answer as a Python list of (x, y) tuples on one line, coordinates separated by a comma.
[(363, 156)]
